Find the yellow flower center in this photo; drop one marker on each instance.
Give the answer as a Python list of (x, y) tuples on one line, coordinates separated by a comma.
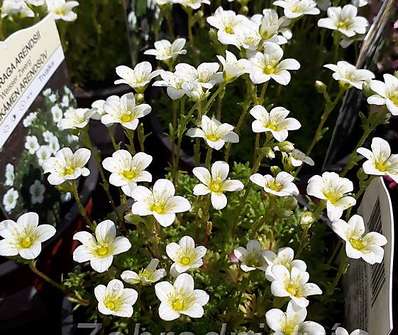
[(382, 166), (178, 303), (102, 250), (112, 303), (296, 8), (148, 276), (273, 125), (213, 137), (159, 207), (332, 196), (229, 29), (216, 185), (68, 170), (357, 243), (289, 328), (394, 98), (185, 260), (253, 260), (26, 242), (130, 174), (344, 24), (128, 116), (275, 186), (269, 69), (60, 11), (294, 289)]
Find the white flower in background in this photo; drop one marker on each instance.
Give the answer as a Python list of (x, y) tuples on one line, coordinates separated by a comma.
[(10, 199), (36, 191), (65, 101), (323, 4), (215, 133), (15, 8), (97, 108), (358, 244), (282, 185), (62, 9), (334, 190), (27, 122), (146, 276), (53, 144), (180, 298), (132, 17), (344, 20), (194, 4), (216, 183), (232, 67), (36, 2), (227, 23), (293, 284), (380, 161), (24, 237), (164, 50), (342, 331), (32, 144), (252, 257), (275, 121), (75, 118), (67, 165), (114, 299), (126, 170), (47, 136), (65, 197), (72, 138), (386, 93), (359, 3), (56, 113), (124, 111), (248, 35), (294, 9), (101, 248), (285, 257), (270, 27), (137, 78), (348, 75), (9, 175), (159, 202), (297, 158), (52, 97), (268, 65), (292, 322), (176, 82), (185, 254), (208, 75), (43, 154), (47, 92)]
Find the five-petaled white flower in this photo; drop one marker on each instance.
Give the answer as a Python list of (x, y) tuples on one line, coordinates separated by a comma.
[(357, 243), (101, 248), (32, 144), (294, 9), (16, 7), (67, 165), (146, 276), (114, 299), (275, 121), (269, 65), (62, 9), (126, 170), (215, 133), (159, 202), (282, 185), (124, 110), (164, 50), (10, 199), (24, 237), (343, 331), (380, 161), (348, 75), (293, 284), (75, 118), (333, 189), (36, 191), (232, 67), (43, 154), (185, 254), (252, 257), (292, 322), (177, 82), (344, 20), (180, 298), (137, 78), (386, 93), (216, 183)]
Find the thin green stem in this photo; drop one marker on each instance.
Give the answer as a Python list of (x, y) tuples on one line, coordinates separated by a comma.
[(208, 157), (80, 206)]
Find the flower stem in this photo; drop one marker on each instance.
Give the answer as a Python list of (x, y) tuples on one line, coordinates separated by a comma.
[(208, 157), (80, 206)]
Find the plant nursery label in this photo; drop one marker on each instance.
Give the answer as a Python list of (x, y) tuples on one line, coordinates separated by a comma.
[(28, 59), (369, 287)]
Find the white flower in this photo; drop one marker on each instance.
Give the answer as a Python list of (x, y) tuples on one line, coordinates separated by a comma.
[(292, 322), (252, 257), (43, 154), (10, 199), (342, 331), (294, 9), (194, 4), (75, 118), (248, 35), (297, 158), (185, 255), (208, 75), (47, 136), (24, 237), (386, 93), (232, 67), (293, 284), (380, 161), (284, 257), (67, 165), (215, 133), (101, 248), (114, 299), (344, 20), (215, 183), (47, 92), (164, 50), (269, 65), (56, 113), (333, 189), (176, 82), (348, 75), (270, 27), (146, 276), (358, 244), (65, 101), (27, 122), (62, 9), (36, 191), (16, 7), (52, 97), (275, 121), (35, 2), (124, 111), (137, 78), (282, 185), (72, 138), (126, 170), (9, 175), (160, 202), (180, 298), (97, 108), (53, 144), (32, 144), (359, 3)]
